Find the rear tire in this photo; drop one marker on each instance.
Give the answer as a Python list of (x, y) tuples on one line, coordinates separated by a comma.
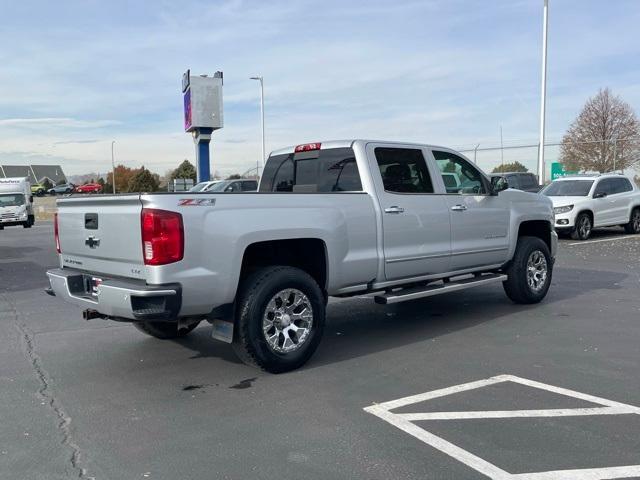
[(280, 319), (633, 227), (530, 271), (165, 330), (29, 223), (582, 230)]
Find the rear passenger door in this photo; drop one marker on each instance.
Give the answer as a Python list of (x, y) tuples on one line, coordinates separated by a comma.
[(415, 219), (604, 207), (479, 220), (622, 199)]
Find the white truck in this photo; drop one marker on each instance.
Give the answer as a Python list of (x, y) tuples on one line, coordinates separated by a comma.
[(340, 218), (16, 202), (584, 202)]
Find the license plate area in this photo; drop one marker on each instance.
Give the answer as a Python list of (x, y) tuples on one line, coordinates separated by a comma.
[(91, 284)]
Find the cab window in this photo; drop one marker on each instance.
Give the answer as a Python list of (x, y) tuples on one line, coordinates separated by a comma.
[(468, 180), (318, 171), (403, 170)]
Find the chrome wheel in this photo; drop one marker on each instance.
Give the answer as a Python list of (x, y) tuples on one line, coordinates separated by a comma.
[(287, 320), (584, 227), (537, 271)]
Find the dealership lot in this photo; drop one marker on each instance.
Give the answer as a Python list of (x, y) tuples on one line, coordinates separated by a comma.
[(103, 401)]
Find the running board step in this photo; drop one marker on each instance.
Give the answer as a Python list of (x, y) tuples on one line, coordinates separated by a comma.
[(431, 290)]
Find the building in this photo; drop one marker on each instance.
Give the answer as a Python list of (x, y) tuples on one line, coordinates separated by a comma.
[(35, 173)]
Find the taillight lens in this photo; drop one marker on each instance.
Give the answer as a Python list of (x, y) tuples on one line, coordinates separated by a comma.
[(162, 237), (55, 232)]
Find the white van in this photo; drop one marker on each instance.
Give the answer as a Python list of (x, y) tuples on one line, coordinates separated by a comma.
[(16, 202)]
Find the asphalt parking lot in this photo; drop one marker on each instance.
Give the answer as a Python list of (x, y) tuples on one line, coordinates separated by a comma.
[(495, 389)]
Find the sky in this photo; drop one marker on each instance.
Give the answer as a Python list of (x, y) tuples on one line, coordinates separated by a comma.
[(75, 75)]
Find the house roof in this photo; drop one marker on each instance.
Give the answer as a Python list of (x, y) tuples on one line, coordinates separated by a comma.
[(35, 173)]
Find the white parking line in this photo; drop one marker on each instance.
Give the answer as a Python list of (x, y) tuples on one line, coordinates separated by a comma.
[(403, 421), (587, 242)]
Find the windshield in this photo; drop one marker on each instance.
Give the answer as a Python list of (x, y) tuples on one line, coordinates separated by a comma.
[(199, 187), (11, 200), (218, 187), (568, 188)]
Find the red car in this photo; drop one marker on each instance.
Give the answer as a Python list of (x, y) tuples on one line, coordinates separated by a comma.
[(89, 188)]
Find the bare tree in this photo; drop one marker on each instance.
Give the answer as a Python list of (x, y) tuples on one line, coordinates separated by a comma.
[(604, 137)]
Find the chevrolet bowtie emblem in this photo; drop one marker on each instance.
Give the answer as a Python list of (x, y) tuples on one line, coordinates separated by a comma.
[(92, 242)]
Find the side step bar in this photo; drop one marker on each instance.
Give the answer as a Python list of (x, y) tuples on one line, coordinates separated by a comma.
[(431, 290)]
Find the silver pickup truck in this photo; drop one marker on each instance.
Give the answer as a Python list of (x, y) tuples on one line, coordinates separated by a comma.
[(339, 218)]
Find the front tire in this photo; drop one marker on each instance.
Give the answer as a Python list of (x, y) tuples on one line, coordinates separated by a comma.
[(530, 271), (633, 227), (165, 330), (582, 230), (280, 319)]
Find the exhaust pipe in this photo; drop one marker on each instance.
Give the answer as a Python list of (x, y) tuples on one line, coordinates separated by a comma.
[(89, 314)]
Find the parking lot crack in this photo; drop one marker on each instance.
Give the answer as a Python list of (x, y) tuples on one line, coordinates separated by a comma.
[(47, 394)]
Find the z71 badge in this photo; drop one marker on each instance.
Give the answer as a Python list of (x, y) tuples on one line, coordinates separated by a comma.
[(196, 202)]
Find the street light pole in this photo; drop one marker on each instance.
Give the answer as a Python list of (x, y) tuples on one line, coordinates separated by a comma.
[(543, 100), (113, 168), (261, 80)]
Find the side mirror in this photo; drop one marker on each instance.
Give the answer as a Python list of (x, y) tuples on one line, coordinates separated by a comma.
[(498, 184), (599, 195)]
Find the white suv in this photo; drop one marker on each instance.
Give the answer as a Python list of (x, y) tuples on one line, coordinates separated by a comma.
[(584, 202)]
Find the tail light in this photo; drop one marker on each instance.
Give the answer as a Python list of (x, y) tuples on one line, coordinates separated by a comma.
[(307, 147), (162, 237), (55, 232)]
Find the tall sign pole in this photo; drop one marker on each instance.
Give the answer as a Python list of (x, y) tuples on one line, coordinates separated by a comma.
[(543, 99), (202, 98)]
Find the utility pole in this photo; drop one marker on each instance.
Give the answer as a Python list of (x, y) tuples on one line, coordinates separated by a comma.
[(261, 80), (113, 168), (501, 149), (475, 153), (543, 99)]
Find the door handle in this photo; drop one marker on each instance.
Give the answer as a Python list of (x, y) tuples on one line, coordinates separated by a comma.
[(394, 209), (459, 208)]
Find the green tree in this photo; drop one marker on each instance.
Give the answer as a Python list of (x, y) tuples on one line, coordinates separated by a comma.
[(450, 167), (47, 184), (235, 176), (185, 170), (510, 167), (143, 181)]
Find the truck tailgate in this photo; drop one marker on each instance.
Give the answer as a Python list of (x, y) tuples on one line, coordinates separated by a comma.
[(102, 235)]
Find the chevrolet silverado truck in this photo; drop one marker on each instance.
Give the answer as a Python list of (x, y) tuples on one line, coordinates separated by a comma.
[(339, 218)]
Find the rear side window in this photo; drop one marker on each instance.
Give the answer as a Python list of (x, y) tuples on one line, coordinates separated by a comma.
[(514, 181), (623, 185), (403, 170), (319, 171), (528, 181), (607, 186), (249, 186)]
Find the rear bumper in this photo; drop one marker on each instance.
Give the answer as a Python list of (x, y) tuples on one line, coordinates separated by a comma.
[(119, 299)]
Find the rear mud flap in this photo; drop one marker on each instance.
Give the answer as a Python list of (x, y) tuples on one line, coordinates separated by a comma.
[(222, 331)]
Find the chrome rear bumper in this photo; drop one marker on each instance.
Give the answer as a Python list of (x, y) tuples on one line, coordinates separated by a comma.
[(114, 298)]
